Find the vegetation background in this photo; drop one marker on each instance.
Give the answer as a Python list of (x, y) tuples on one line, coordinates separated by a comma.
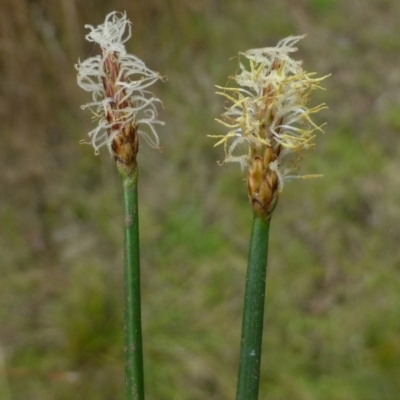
[(333, 289)]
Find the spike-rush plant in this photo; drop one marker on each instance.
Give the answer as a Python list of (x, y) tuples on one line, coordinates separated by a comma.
[(125, 110), (268, 118)]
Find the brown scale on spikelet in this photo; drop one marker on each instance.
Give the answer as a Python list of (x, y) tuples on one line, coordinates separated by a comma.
[(263, 183), (125, 143)]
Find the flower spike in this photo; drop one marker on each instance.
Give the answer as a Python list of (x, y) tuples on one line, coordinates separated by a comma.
[(121, 102), (269, 115)]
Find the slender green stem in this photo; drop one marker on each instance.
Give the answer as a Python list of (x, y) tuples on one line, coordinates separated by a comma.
[(253, 312), (134, 382)]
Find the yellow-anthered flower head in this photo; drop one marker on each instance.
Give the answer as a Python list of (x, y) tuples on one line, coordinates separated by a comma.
[(268, 114)]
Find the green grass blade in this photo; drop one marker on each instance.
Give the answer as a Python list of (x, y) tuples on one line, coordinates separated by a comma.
[(134, 381), (253, 312)]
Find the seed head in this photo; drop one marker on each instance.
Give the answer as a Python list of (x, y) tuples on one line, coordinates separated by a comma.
[(267, 115), (118, 81)]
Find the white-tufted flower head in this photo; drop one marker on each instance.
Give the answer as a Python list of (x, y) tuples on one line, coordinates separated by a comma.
[(268, 117), (118, 81)]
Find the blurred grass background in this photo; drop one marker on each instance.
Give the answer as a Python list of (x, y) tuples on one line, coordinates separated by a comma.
[(333, 289)]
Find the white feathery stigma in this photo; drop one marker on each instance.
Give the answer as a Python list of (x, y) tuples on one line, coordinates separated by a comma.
[(119, 85)]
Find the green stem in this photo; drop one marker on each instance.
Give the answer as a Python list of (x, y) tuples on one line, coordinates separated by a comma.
[(253, 312), (134, 382)]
